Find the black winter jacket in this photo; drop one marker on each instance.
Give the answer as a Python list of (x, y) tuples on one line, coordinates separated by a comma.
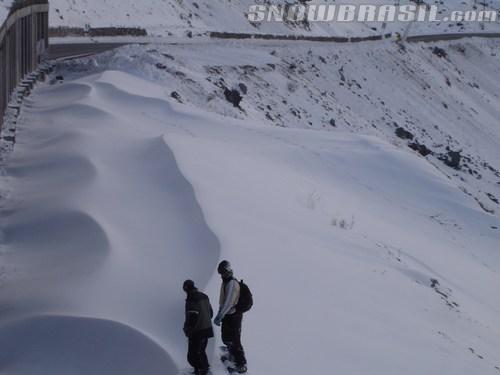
[(199, 315)]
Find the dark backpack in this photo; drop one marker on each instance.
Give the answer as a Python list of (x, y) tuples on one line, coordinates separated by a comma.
[(245, 302)]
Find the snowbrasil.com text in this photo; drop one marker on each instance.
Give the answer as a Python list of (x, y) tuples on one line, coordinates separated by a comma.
[(364, 13)]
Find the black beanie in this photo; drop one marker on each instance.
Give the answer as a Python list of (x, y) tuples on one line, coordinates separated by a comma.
[(188, 286)]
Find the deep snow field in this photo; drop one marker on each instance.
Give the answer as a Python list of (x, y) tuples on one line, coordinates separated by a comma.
[(364, 257)]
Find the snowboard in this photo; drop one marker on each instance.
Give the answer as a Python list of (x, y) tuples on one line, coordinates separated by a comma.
[(190, 371), (228, 364)]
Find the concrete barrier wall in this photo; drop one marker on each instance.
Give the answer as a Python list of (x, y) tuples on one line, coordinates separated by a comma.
[(24, 39)]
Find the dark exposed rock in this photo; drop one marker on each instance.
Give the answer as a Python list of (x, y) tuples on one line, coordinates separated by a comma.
[(492, 169), (404, 134), (420, 148), (295, 112), (161, 66), (332, 122), (493, 198), (341, 73), (9, 138), (484, 207), (176, 96), (249, 68), (243, 88), (216, 70), (439, 52), (452, 159), (233, 97)]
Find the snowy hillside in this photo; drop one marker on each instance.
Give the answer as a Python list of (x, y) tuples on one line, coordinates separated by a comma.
[(364, 257), (445, 108), (179, 16), (4, 9)]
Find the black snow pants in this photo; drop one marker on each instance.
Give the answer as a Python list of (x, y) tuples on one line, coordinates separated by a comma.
[(231, 337), (197, 356)]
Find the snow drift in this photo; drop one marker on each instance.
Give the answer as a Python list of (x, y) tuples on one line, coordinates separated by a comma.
[(66, 247), (72, 345)]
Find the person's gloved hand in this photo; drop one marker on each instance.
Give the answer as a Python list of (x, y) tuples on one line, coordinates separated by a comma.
[(187, 332), (218, 320)]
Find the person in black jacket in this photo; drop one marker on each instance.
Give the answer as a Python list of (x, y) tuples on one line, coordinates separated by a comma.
[(197, 327)]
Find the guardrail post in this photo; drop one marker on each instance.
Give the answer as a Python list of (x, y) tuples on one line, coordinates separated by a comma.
[(23, 40)]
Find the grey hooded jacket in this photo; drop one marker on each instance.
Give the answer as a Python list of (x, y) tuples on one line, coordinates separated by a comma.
[(229, 296)]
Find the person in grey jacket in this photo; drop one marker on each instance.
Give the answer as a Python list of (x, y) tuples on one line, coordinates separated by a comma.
[(197, 327), (230, 318)]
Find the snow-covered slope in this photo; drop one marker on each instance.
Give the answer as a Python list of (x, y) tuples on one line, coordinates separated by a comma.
[(447, 104), (178, 16), (363, 256), (4, 9)]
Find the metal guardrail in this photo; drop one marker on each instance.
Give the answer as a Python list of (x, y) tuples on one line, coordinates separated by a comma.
[(309, 38), (339, 39), (445, 37), (24, 39)]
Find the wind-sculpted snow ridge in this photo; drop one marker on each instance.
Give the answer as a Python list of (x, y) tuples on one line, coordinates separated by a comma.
[(98, 222), (51, 344)]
